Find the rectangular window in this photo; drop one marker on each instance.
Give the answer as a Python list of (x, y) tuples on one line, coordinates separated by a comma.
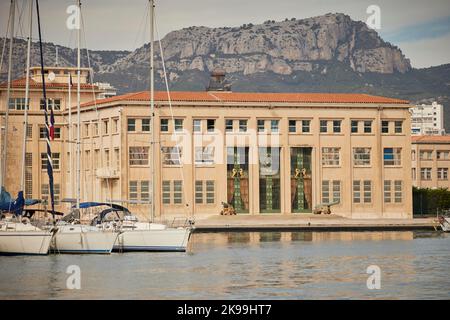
[(425, 173), (398, 191), (367, 126), (331, 156), (274, 125), (133, 192), (145, 191), (139, 156), (361, 156), (354, 126), (146, 125), (55, 161), (199, 192), (117, 158), (171, 156), (306, 126), (177, 191), (131, 125), (326, 191), (392, 156), (197, 125), (210, 125), (115, 125), (45, 191), (229, 125), (261, 125), (166, 192), (178, 125), (42, 133), (242, 125), (57, 134), (442, 173), (164, 125), (105, 126), (55, 104), (398, 125), (336, 191), (367, 191), (210, 192), (384, 126), (292, 126), (28, 175), (323, 126), (107, 158), (387, 191), (204, 155), (413, 173), (18, 104), (87, 160), (96, 129), (337, 126), (426, 155), (86, 130), (29, 131), (442, 155), (356, 191)]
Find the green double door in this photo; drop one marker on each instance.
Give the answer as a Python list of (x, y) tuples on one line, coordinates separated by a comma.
[(269, 180), (301, 180), (238, 178)]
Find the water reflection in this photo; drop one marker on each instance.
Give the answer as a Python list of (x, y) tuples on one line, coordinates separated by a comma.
[(247, 265)]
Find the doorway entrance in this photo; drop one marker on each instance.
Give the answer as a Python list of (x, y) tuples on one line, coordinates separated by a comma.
[(301, 180)]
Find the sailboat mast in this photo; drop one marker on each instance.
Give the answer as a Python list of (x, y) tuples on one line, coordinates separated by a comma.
[(12, 12), (69, 84), (152, 110), (78, 185), (27, 93)]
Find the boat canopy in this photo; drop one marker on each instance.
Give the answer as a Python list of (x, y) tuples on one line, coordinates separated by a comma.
[(115, 207)]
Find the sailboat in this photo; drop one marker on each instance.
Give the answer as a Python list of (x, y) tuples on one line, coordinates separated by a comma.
[(148, 236), (17, 234), (70, 235)]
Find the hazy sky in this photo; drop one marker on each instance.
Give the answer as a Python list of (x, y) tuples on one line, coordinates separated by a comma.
[(420, 28)]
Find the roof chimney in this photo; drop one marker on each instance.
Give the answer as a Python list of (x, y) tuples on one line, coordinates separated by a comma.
[(217, 81)]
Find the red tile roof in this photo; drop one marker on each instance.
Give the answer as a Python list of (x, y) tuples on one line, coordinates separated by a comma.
[(180, 96), (20, 83), (431, 139)]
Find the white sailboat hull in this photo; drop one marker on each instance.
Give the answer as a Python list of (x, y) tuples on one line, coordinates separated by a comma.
[(83, 240), (170, 239), (26, 242)]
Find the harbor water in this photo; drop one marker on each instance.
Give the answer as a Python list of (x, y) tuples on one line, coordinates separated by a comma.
[(247, 265)]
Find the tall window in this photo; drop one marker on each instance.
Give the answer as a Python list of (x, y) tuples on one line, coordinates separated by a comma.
[(367, 191), (146, 125), (115, 125), (331, 156), (356, 191), (354, 126), (337, 126), (105, 126), (242, 125), (292, 126), (178, 123), (131, 125), (95, 128), (145, 191), (107, 158), (306, 126), (171, 155), (210, 193), (138, 156), (177, 191), (398, 126), (398, 191), (166, 192), (197, 125), (384, 126), (133, 190), (29, 131), (117, 158), (336, 191), (210, 125), (261, 125), (274, 125), (323, 126), (331, 191), (442, 173), (326, 191), (229, 125), (45, 192), (387, 191), (361, 156), (392, 156), (199, 192), (204, 155), (28, 175), (164, 125)]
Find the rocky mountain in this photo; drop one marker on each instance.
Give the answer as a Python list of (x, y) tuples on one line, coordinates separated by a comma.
[(329, 53)]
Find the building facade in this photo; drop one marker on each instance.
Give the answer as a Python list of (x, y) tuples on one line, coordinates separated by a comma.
[(427, 119), (264, 153), (430, 161)]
